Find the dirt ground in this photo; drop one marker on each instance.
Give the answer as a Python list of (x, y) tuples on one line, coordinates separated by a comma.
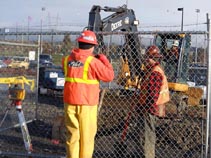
[(179, 135), (181, 132)]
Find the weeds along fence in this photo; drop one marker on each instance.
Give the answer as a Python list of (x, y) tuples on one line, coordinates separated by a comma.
[(182, 133)]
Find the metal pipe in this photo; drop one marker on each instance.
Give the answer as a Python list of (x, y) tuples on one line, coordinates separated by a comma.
[(38, 71), (208, 96)]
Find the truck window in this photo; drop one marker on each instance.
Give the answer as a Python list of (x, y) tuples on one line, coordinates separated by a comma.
[(45, 57)]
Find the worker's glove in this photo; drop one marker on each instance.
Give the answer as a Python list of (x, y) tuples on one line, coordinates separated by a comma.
[(102, 58)]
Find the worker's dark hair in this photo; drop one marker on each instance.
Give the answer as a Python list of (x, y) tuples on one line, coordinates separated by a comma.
[(83, 45)]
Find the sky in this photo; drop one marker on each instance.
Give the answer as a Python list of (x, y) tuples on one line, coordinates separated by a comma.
[(55, 13)]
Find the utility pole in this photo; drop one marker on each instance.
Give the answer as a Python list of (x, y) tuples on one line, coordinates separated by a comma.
[(182, 10)]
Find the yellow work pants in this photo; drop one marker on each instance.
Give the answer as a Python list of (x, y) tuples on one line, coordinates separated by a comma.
[(81, 126)]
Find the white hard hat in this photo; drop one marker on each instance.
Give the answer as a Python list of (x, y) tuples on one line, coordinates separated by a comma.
[(175, 43)]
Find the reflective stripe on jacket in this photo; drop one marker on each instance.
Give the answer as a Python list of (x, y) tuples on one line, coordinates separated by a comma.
[(82, 75), (164, 92), (163, 97), (80, 90), (84, 78)]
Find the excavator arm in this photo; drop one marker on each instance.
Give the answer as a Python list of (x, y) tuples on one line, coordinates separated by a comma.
[(123, 20)]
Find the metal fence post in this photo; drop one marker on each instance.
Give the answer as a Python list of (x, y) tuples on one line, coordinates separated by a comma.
[(38, 65), (208, 87)]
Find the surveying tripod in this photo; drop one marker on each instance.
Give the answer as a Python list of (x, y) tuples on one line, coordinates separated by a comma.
[(16, 95)]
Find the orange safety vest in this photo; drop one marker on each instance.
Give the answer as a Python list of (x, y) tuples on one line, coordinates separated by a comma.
[(163, 98), (79, 89)]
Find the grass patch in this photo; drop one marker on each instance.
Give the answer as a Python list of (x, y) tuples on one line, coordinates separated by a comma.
[(57, 59)]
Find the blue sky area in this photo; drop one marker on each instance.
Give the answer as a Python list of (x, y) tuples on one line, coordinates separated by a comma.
[(21, 13)]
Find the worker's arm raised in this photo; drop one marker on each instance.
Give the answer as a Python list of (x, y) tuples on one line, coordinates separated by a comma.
[(103, 70)]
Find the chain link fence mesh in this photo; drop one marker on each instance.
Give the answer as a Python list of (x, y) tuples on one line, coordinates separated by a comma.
[(181, 133)]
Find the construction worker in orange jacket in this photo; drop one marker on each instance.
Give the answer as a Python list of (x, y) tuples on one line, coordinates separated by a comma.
[(154, 93), (83, 72)]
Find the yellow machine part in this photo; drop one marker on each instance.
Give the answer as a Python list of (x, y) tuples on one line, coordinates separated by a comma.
[(124, 77), (20, 80), (16, 94), (178, 87), (194, 93)]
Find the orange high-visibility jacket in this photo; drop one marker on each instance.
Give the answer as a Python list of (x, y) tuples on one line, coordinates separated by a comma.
[(163, 95), (82, 75)]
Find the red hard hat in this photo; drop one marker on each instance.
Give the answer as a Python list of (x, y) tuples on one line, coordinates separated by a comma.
[(88, 36), (153, 52)]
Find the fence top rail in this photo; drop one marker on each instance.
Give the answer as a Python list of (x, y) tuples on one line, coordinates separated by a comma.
[(78, 32), (176, 32), (19, 44)]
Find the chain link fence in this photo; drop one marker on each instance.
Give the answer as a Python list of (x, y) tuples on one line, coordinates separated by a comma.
[(182, 133)]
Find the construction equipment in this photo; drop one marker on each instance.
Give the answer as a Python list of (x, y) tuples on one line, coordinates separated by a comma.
[(17, 95), (131, 54), (122, 20), (177, 70), (164, 41)]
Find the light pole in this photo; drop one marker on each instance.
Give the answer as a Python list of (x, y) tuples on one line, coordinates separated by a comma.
[(41, 23), (181, 9), (196, 55)]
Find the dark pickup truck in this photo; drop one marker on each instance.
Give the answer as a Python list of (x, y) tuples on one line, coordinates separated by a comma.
[(51, 80)]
